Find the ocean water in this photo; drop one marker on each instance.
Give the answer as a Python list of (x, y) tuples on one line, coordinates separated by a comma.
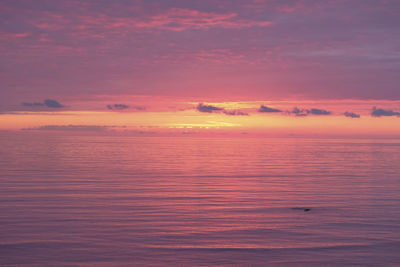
[(70, 200)]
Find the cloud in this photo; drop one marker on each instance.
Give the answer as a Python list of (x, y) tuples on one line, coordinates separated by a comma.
[(266, 109), (351, 115), (300, 112), (316, 111), (171, 19), (127, 38), (139, 107), (207, 108), (305, 112), (34, 104), (51, 103), (378, 112), (123, 106), (118, 106), (235, 113), (210, 109), (179, 19), (70, 127)]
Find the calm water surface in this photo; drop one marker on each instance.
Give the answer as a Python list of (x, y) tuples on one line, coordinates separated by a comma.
[(120, 201)]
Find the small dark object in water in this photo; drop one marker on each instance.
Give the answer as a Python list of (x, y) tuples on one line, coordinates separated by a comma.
[(300, 208)]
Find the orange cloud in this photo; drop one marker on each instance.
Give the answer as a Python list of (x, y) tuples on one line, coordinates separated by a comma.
[(174, 19), (178, 19)]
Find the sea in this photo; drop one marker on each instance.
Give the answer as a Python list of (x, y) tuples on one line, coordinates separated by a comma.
[(105, 200)]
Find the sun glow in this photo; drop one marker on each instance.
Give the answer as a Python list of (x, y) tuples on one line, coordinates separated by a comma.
[(190, 119)]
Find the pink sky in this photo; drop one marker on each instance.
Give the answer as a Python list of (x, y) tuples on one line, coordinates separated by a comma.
[(156, 58)]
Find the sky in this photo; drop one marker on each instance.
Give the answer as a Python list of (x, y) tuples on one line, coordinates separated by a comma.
[(185, 66)]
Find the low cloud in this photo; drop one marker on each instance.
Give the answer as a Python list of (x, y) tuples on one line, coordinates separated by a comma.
[(316, 111), (50, 103), (305, 112), (379, 112), (265, 109), (123, 107), (300, 112), (211, 109), (351, 115), (83, 128), (207, 108), (139, 107), (235, 113), (117, 106)]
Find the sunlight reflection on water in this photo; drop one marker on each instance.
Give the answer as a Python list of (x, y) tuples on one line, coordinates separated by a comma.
[(90, 200)]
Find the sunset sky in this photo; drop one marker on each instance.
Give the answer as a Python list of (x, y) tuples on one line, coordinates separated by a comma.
[(201, 67)]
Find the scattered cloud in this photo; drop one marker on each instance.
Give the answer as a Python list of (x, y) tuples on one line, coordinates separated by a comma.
[(50, 103), (379, 112), (300, 112), (210, 109), (316, 111), (171, 19), (138, 107), (351, 115), (180, 19), (305, 112), (123, 106), (125, 39), (266, 109), (235, 113), (207, 108), (117, 106), (83, 128)]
